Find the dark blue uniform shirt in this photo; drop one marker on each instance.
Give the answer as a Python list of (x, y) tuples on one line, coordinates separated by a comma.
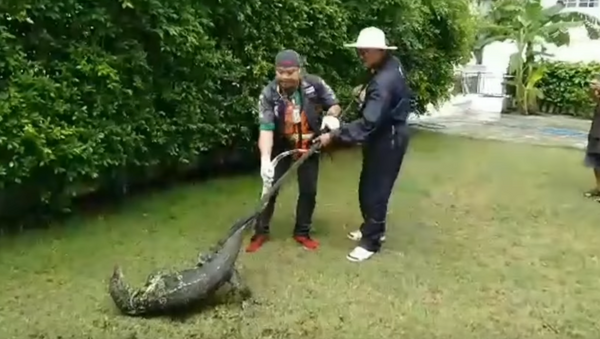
[(387, 103)]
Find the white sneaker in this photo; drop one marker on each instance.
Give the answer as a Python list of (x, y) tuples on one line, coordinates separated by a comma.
[(357, 235), (359, 254)]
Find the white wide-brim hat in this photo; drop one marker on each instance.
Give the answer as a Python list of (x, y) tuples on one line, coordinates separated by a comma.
[(371, 37)]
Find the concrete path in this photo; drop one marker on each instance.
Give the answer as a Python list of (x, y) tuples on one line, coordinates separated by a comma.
[(540, 130)]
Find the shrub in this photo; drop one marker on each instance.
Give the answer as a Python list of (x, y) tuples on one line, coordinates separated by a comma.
[(566, 88), (92, 92)]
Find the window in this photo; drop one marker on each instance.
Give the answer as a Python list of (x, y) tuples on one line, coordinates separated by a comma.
[(588, 3), (581, 3)]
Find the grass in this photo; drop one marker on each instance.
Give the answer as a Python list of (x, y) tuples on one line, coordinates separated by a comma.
[(486, 240)]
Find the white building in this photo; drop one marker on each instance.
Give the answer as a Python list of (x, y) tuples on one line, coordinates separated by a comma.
[(496, 55), (483, 95)]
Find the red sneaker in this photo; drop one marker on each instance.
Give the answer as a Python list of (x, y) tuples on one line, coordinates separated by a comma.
[(307, 242), (256, 242)]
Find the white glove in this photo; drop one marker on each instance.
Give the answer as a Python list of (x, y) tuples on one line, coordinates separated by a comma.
[(330, 122), (267, 172), (265, 189)]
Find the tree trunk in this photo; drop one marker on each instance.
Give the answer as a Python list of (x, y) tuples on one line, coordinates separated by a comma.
[(478, 53), (528, 69), (529, 55)]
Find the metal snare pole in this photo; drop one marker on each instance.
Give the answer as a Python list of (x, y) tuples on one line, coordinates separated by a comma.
[(280, 157), (269, 191)]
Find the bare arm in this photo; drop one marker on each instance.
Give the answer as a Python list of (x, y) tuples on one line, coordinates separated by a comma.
[(267, 125), (335, 110), (265, 144)]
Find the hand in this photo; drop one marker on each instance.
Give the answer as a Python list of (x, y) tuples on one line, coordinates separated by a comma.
[(330, 122), (595, 87), (324, 139), (358, 94), (595, 93), (267, 172)]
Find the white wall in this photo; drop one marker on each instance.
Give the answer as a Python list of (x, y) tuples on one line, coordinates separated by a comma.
[(496, 55), (495, 62)]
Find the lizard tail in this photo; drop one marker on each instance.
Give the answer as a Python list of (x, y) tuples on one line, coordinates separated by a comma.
[(121, 292)]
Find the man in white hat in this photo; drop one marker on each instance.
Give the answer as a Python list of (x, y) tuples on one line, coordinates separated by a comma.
[(383, 132)]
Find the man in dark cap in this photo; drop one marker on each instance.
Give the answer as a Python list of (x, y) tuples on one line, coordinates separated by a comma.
[(290, 112), (383, 133)]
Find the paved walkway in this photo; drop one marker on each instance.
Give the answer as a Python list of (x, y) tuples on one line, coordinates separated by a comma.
[(540, 130)]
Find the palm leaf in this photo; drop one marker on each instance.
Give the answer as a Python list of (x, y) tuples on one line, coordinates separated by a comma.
[(577, 16), (508, 8), (534, 10), (515, 62), (590, 22), (562, 26), (536, 76), (554, 10), (483, 41), (559, 38), (593, 31)]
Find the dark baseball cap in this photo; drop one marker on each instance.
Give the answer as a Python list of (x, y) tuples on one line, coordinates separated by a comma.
[(288, 58)]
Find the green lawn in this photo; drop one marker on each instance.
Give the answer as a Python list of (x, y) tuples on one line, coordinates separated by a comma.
[(486, 240)]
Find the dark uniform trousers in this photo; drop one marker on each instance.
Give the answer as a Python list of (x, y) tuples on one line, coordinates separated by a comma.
[(308, 175), (382, 160)]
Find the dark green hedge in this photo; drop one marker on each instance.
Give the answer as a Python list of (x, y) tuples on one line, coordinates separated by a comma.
[(92, 92), (566, 88)]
